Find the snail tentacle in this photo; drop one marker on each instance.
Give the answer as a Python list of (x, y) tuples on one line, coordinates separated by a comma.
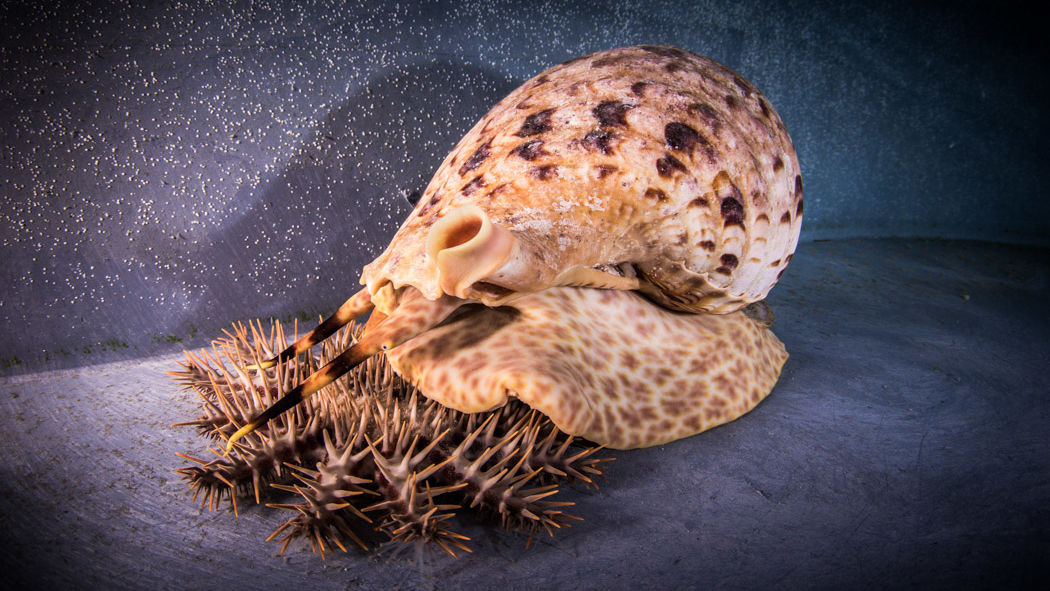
[(358, 305), (414, 315)]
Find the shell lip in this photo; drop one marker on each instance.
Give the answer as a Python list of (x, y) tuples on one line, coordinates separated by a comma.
[(466, 248)]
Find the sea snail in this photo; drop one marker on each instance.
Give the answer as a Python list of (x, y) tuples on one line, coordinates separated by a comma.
[(645, 169)]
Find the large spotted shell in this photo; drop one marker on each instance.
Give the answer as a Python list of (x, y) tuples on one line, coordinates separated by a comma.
[(649, 162)]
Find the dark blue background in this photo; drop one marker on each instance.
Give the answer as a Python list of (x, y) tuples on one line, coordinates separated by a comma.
[(167, 170)]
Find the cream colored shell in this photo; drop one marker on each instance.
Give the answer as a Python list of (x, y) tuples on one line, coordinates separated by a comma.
[(650, 162), (603, 364)]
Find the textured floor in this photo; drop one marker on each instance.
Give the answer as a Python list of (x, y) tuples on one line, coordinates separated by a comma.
[(905, 446)]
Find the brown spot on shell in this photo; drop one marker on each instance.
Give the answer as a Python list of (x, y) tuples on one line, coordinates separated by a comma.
[(778, 164), (476, 158), (605, 170), (497, 190), (731, 102), (786, 218), (699, 202), (703, 111), (543, 172), (758, 199), (598, 140), (707, 245), (732, 212), (798, 195), (762, 218), (676, 66), (612, 113), (655, 194), (536, 123), (529, 150), (665, 51), (638, 88), (681, 137), (744, 86), (434, 199), (729, 260), (609, 60), (732, 208), (763, 105), (668, 165), (475, 184)]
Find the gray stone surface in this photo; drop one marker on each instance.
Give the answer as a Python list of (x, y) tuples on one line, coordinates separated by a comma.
[(905, 446)]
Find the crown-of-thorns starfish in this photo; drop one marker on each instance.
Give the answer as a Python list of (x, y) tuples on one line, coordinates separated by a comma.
[(368, 456)]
